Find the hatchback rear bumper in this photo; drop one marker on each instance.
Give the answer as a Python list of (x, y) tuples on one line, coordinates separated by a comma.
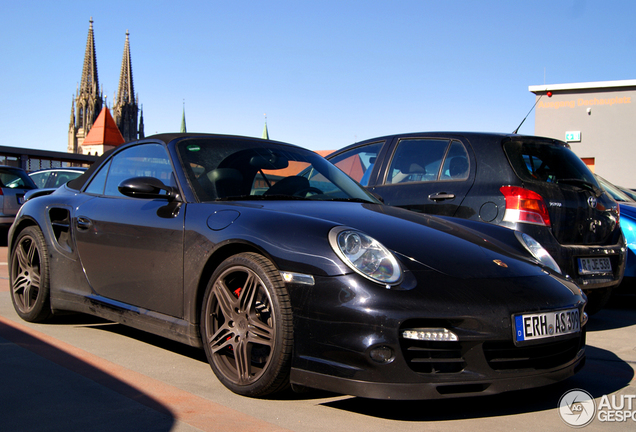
[(617, 255)]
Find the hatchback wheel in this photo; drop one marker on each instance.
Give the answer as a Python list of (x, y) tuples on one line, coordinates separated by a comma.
[(246, 326)]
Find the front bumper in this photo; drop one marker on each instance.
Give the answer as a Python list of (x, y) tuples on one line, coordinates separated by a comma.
[(349, 318), (448, 387)]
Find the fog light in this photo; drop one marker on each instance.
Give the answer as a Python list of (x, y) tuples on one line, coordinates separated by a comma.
[(382, 354), (430, 334)]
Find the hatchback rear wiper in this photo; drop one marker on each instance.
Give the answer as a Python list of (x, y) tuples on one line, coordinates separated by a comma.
[(597, 191)]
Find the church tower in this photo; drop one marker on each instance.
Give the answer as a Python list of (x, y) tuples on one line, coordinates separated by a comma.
[(125, 109), (88, 101)]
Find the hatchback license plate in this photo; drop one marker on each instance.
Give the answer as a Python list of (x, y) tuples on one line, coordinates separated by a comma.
[(547, 324), (594, 265)]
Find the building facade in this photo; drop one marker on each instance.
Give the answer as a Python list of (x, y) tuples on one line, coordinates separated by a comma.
[(597, 119), (88, 101)]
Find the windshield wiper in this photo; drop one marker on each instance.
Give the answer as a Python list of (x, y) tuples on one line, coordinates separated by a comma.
[(597, 191)]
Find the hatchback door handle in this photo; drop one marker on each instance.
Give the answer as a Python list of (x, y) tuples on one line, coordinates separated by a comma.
[(84, 223), (441, 196)]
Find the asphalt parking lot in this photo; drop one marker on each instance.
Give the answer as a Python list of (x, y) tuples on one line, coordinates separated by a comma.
[(81, 373)]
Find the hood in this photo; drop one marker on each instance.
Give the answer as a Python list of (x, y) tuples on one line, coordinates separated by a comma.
[(422, 242)]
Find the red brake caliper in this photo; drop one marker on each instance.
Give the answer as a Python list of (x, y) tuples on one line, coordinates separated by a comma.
[(237, 293)]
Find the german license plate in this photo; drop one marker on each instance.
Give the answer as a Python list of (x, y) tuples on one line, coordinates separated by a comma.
[(547, 324), (594, 265)]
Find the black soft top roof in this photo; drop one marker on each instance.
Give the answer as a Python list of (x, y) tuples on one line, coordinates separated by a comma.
[(80, 181)]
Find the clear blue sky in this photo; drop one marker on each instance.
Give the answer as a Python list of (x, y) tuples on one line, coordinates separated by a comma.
[(326, 73)]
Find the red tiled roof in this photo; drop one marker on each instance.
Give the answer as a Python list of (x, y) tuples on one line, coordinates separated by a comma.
[(296, 167), (104, 131)]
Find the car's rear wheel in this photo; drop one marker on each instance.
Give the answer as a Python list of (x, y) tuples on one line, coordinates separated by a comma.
[(29, 276), (246, 326)]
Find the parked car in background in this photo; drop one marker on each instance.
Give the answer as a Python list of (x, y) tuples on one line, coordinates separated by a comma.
[(627, 207), (303, 280), (535, 185), (55, 177), (14, 183), (629, 192)]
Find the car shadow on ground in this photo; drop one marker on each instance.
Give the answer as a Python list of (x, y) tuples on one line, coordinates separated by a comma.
[(82, 320), (618, 313), (4, 232), (44, 387), (604, 373)]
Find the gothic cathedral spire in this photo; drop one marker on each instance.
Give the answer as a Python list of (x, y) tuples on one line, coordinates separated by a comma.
[(125, 108), (88, 100)]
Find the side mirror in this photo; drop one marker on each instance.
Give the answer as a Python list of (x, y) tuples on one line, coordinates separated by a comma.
[(147, 187)]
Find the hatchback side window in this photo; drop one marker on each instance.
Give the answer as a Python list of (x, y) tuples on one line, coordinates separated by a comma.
[(358, 163), (417, 160), (456, 165)]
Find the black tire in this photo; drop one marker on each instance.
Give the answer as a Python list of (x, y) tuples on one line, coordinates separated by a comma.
[(29, 276), (246, 326)]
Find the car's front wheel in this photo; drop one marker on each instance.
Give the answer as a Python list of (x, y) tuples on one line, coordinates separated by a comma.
[(246, 326), (29, 276)]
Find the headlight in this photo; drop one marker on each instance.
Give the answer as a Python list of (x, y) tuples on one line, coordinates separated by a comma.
[(537, 251), (365, 255)]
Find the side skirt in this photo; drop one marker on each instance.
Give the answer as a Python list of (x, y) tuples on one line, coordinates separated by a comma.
[(153, 322)]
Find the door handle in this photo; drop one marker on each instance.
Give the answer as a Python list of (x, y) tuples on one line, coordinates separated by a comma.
[(84, 223), (441, 196)]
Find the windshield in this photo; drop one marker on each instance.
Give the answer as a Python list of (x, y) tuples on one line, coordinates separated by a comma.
[(615, 192), (223, 169)]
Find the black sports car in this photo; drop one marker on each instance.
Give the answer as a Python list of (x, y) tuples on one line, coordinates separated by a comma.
[(286, 271)]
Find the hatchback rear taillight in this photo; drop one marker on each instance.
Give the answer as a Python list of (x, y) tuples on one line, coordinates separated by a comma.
[(523, 205)]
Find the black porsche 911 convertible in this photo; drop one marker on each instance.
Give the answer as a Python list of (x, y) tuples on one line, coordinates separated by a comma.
[(287, 272)]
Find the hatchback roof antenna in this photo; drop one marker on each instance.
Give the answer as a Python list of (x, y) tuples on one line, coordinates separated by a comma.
[(535, 104)]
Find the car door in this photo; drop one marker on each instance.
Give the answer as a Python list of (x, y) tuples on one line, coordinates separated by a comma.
[(427, 174), (131, 249)]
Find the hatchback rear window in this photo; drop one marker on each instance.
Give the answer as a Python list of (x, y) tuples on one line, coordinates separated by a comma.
[(15, 179), (549, 163)]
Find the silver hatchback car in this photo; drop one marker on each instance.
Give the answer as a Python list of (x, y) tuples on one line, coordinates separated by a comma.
[(14, 183)]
